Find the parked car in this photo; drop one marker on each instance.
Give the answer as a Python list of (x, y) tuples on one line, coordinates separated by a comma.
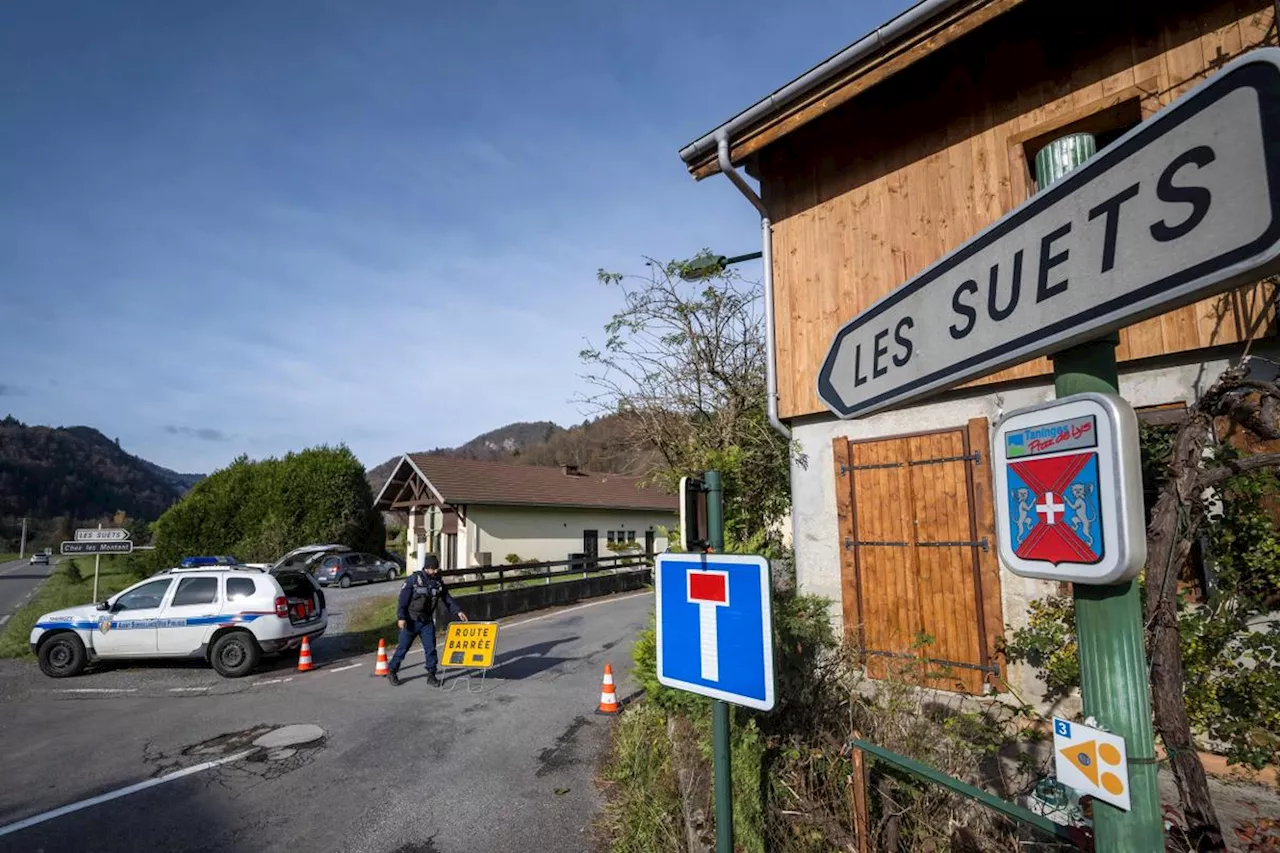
[(346, 569), (303, 559), (39, 558), (228, 615)]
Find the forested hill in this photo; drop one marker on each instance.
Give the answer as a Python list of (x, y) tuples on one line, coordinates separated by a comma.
[(77, 472), (603, 444)]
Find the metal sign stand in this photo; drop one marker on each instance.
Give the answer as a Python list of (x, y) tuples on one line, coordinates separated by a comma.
[(720, 752), (468, 677), (1109, 631)]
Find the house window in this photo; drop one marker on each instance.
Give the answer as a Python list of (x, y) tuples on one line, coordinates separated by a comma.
[(620, 538)]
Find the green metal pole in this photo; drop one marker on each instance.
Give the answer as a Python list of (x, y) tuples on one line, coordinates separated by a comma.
[(720, 753), (1109, 629)]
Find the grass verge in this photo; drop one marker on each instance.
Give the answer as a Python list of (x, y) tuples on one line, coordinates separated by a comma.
[(642, 812), (70, 584), (5, 558), (370, 620)]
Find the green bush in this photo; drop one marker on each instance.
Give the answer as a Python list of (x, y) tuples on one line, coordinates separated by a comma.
[(1230, 645), (257, 511)]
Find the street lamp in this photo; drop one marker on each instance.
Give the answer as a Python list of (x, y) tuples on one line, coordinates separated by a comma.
[(706, 266)]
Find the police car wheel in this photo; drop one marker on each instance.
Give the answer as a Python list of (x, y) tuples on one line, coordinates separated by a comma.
[(62, 656), (234, 655), (391, 575), (344, 581)]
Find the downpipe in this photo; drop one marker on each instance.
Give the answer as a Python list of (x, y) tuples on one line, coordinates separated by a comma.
[(766, 258)]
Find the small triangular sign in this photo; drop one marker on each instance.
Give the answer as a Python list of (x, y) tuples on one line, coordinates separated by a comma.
[(1085, 757)]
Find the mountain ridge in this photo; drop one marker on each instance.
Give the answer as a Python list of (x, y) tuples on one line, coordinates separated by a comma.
[(602, 444)]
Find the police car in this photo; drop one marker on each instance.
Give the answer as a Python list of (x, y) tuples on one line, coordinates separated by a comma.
[(228, 615)]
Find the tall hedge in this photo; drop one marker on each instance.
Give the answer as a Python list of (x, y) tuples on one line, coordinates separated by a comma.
[(257, 511)]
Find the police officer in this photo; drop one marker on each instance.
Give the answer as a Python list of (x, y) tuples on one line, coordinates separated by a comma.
[(414, 612)]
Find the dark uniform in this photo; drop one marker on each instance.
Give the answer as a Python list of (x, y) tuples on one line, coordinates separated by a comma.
[(415, 610)]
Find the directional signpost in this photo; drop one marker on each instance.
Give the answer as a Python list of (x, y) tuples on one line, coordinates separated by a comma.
[(101, 534), (83, 548), (1185, 205), (98, 541)]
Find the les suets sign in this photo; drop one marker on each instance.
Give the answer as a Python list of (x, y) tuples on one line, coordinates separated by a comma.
[(1185, 205)]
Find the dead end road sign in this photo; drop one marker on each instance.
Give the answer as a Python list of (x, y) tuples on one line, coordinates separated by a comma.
[(1185, 205), (81, 548)]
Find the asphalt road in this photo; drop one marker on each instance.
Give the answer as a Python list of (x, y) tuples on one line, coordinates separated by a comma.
[(506, 765), (18, 579)]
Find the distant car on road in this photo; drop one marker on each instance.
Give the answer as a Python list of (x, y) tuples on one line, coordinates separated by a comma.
[(346, 569), (228, 615), (39, 559)]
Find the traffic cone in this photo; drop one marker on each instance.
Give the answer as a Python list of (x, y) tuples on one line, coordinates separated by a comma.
[(381, 668), (304, 656), (608, 696)]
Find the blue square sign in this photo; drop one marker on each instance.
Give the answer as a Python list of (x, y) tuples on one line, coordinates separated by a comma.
[(715, 627)]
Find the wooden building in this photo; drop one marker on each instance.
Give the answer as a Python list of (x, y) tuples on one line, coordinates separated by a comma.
[(876, 164)]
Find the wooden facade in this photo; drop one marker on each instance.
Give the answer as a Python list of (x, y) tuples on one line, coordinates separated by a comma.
[(876, 189)]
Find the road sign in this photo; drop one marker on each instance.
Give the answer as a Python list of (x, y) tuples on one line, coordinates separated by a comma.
[(1185, 205), (1092, 761), (470, 644), (693, 514), (715, 626), (1068, 483), (101, 534), (124, 547)]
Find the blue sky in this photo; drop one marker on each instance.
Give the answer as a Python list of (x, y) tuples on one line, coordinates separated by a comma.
[(258, 226)]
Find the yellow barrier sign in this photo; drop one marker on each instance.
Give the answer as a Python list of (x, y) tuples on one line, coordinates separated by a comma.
[(470, 644)]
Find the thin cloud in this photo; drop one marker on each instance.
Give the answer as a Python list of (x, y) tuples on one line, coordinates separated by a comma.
[(9, 390), (202, 433)]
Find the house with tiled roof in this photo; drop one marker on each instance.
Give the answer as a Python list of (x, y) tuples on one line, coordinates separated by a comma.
[(475, 513)]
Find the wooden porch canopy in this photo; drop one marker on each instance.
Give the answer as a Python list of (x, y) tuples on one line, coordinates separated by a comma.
[(407, 488)]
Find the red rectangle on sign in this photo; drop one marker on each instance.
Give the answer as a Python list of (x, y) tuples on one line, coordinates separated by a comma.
[(708, 587)]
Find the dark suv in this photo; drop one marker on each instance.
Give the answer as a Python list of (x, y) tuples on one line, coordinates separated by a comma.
[(346, 569)]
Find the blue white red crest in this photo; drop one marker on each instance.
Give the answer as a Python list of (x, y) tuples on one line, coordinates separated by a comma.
[(1053, 509)]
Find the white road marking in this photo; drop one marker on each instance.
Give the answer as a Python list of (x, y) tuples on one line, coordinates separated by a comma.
[(4, 619), (342, 668), (120, 792), (188, 689), (572, 609), (270, 681), (98, 690)]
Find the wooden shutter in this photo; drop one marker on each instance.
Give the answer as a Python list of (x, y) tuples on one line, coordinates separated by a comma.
[(916, 525)]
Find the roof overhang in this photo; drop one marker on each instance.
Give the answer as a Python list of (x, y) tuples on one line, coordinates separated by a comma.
[(408, 478), (886, 50)]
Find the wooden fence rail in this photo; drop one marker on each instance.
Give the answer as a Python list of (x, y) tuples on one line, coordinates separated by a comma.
[(523, 573)]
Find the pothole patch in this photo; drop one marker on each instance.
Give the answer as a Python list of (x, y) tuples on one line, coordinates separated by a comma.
[(287, 736)]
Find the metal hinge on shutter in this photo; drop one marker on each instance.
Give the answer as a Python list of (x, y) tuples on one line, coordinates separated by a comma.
[(845, 469), (979, 544), (991, 668), (975, 458), (850, 543)]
